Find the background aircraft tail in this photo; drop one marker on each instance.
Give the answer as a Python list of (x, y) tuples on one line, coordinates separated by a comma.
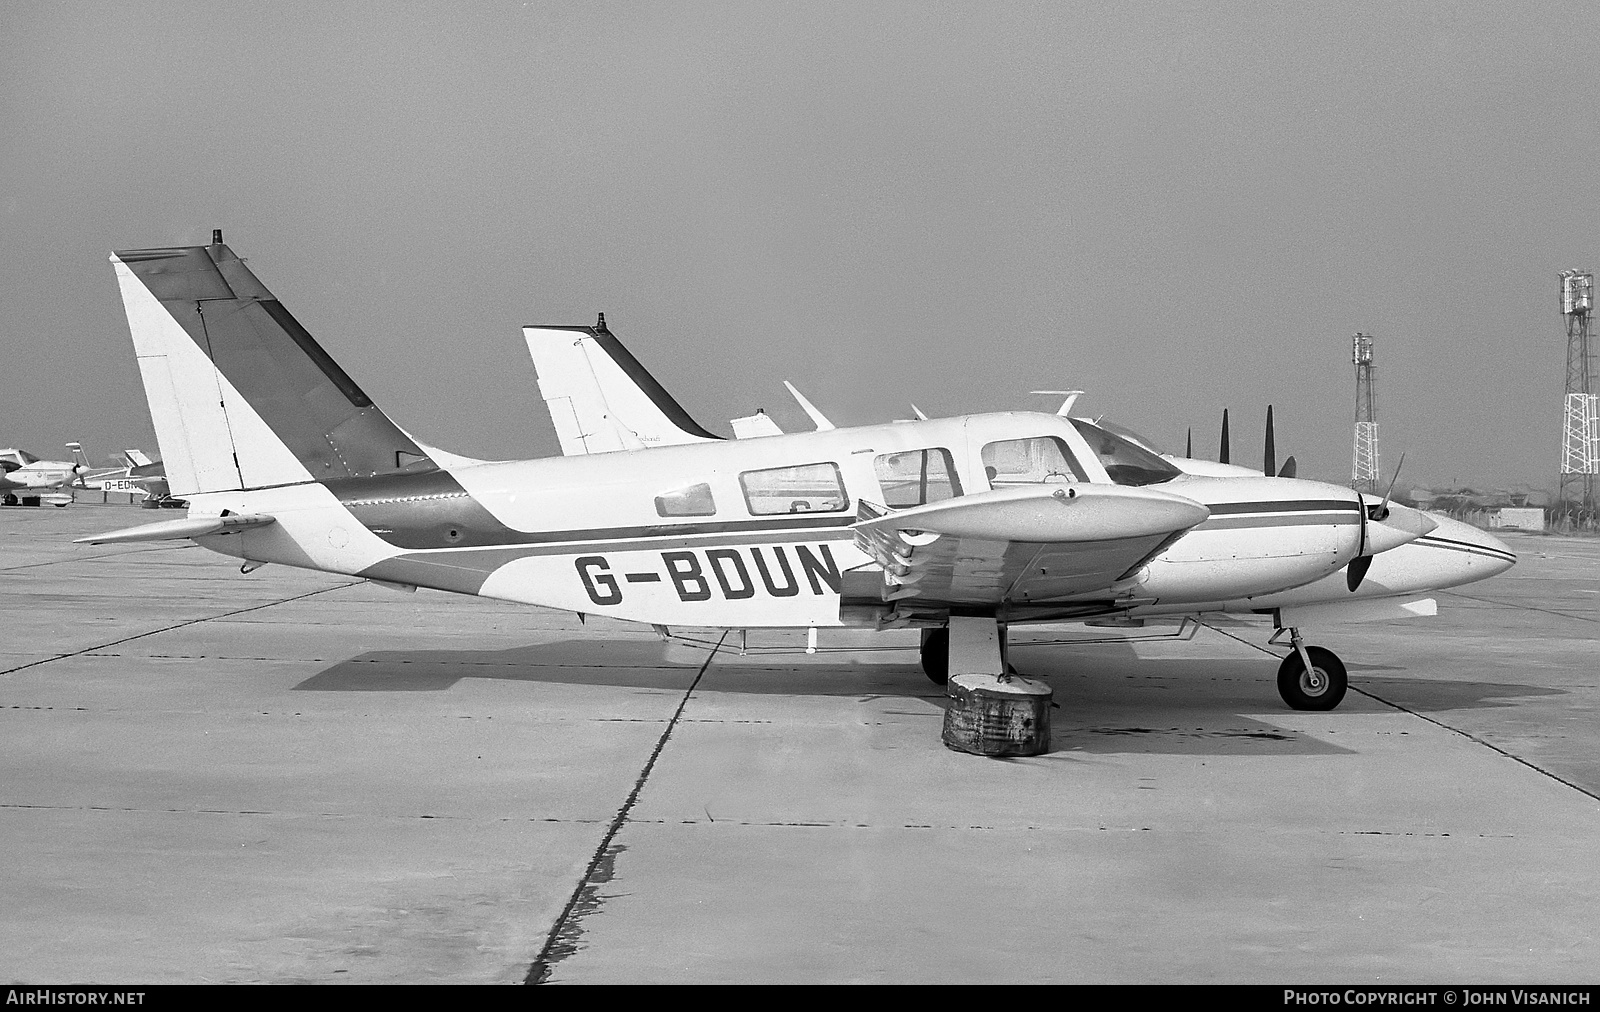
[(600, 397), (240, 394)]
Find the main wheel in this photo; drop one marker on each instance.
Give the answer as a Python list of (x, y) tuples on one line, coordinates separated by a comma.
[(936, 655), (1322, 688), (9, 500)]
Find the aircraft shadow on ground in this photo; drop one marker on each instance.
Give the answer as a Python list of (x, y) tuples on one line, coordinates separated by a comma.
[(1113, 702), (622, 664), (1427, 695)]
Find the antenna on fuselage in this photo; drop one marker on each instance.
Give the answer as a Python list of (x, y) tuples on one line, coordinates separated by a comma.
[(1066, 405), (817, 418)]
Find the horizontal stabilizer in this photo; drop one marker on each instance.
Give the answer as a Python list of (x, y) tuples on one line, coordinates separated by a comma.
[(176, 530)]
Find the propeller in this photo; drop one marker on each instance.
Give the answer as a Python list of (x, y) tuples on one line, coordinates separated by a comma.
[(1222, 454), (1188, 445), (1357, 570), (1270, 456), (1383, 511), (80, 466)]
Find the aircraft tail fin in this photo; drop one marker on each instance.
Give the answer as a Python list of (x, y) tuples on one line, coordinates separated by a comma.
[(136, 458), (240, 393), (600, 397)]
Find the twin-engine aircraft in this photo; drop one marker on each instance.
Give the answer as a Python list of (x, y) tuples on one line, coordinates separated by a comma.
[(959, 526), (605, 398)]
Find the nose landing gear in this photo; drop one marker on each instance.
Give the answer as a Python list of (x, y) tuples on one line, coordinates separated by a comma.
[(1311, 678)]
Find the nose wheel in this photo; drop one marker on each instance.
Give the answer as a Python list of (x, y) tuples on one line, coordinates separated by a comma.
[(1311, 678)]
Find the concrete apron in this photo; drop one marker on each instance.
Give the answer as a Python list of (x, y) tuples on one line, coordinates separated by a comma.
[(991, 713)]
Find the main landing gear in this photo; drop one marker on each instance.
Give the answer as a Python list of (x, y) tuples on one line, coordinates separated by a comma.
[(1311, 678), (992, 710), (936, 655)]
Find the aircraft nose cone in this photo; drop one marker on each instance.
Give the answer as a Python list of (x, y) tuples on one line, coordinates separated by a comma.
[(1483, 554), (1494, 544)]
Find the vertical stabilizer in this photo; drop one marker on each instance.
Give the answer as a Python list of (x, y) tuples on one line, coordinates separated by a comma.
[(600, 397), (240, 394)]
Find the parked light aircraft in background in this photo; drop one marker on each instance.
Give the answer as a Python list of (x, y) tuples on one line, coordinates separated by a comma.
[(598, 379), (141, 474), (28, 477)]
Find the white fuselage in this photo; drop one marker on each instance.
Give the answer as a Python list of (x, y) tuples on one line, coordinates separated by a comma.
[(587, 534)]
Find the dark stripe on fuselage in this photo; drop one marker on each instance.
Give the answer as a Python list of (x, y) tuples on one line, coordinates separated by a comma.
[(1261, 522), (1286, 506), (432, 511), (1450, 544)]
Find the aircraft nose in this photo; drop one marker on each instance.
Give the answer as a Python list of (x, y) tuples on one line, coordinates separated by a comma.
[(1490, 543), (1486, 554)]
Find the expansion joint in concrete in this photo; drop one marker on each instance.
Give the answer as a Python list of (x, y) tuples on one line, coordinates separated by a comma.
[(175, 625), (562, 939)]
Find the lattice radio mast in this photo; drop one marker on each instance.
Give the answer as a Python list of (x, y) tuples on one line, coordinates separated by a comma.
[(1364, 462), (1580, 440)]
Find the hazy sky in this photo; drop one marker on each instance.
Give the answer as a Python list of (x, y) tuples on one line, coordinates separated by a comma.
[(1173, 206)]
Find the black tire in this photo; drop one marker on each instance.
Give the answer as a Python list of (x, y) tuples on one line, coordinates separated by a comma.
[(1298, 691), (936, 655), (9, 500)]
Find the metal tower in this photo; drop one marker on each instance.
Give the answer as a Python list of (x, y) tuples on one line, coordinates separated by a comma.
[(1580, 440), (1364, 462)]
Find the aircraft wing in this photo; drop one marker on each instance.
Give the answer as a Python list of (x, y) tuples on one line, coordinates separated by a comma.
[(1018, 547)]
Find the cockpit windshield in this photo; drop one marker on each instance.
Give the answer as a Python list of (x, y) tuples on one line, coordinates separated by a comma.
[(1126, 462), (1136, 438)]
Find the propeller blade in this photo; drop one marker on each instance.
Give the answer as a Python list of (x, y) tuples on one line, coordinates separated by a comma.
[(1288, 469), (1270, 459), (1383, 511), (1188, 445), (1357, 570), (1222, 454)]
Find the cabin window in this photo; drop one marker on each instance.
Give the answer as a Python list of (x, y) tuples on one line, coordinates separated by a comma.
[(808, 488), (1126, 462), (915, 477), (694, 501), (1039, 460)]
